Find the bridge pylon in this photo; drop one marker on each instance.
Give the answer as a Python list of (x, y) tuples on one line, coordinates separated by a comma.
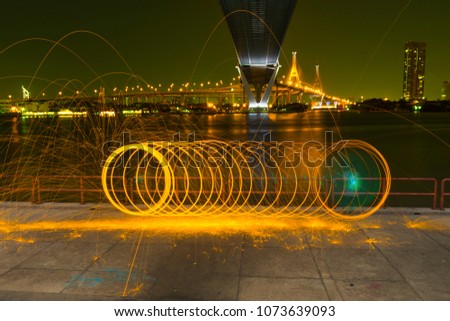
[(295, 73), (25, 94), (317, 81)]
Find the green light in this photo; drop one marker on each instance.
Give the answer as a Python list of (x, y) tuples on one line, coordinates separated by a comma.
[(353, 181)]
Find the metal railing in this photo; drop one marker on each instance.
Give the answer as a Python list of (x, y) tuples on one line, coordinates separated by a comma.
[(80, 185), (382, 182), (36, 187), (433, 194), (443, 193)]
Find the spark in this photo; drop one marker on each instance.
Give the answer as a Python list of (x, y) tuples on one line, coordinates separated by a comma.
[(219, 225), (422, 224), (135, 291), (73, 235), (19, 239), (372, 242)]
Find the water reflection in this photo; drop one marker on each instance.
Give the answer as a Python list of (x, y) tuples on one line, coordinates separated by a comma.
[(405, 139)]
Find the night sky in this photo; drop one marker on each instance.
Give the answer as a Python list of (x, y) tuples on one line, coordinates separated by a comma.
[(358, 43)]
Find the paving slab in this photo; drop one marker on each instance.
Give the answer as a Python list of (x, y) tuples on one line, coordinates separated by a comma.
[(113, 283), (356, 239), (344, 264), (43, 296), (71, 255), (277, 262), (3, 271), (124, 256), (191, 261), (432, 291), (185, 287), (195, 273), (362, 290), (281, 289), (332, 290), (440, 237), (421, 264), (292, 241), (13, 253), (400, 239), (37, 280), (207, 242)]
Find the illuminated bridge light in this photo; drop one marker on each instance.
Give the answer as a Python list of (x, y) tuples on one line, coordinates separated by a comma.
[(210, 178)]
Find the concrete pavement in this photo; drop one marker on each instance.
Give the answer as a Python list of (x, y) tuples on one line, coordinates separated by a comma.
[(397, 254)]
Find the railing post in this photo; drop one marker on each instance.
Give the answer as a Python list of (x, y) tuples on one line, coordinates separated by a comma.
[(443, 194), (33, 190), (435, 197), (126, 182), (38, 184), (174, 200), (131, 190), (332, 192), (278, 190), (81, 190)]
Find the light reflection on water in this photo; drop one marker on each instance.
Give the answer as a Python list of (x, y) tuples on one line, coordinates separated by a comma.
[(402, 138)]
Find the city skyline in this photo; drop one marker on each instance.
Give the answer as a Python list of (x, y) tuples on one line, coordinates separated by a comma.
[(359, 48)]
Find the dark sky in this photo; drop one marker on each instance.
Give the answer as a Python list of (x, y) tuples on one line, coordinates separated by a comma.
[(358, 43)]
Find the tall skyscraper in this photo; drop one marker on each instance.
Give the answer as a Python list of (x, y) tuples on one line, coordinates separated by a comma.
[(414, 71), (446, 90)]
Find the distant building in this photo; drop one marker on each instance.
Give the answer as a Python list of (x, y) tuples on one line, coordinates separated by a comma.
[(414, 71), (446, 90)]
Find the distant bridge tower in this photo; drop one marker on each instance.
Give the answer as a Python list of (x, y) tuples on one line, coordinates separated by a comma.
[(295, 74), (317, 81), (25, 93), (258, 28), (101, 96)]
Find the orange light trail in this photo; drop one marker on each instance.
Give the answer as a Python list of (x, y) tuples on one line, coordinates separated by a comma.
[(219, 225), (210, 177)]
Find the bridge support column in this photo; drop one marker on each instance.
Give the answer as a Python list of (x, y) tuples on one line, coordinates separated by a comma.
[(247, 89), (266, 96), (263, 104)]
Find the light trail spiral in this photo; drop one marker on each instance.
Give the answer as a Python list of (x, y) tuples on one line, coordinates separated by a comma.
[(253, 178)]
